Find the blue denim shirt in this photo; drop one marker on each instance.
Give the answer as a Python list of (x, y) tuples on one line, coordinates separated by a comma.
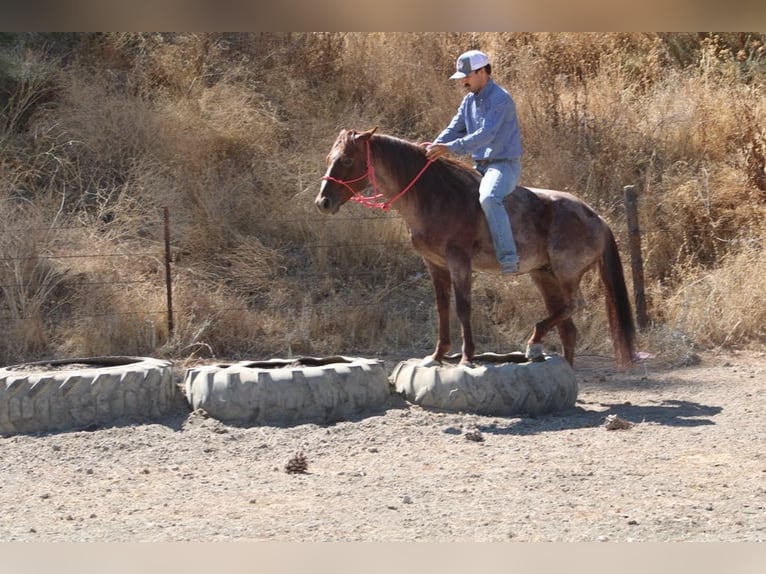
[(484, 126)]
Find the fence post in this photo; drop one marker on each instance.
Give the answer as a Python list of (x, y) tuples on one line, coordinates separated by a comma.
[(636, 261), (168, 280)]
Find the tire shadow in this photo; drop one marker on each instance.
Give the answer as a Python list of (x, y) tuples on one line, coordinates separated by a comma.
[(674, 413)]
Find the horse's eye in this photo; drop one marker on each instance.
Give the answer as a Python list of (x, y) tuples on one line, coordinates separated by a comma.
[(346, 161)]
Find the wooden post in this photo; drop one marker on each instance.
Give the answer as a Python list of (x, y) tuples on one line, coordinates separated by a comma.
[(636, 261), (168, 284)]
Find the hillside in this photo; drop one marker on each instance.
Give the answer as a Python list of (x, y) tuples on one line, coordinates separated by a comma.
[(99, 132)]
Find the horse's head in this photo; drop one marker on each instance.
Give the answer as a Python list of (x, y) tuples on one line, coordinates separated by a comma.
[(347, 170)]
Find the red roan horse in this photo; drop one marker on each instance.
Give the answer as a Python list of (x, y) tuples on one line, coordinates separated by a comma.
[(558, 236)]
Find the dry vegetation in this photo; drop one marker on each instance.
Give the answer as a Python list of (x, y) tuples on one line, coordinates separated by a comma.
[(99, 132)]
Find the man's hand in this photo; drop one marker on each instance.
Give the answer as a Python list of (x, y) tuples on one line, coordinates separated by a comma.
[(434, 151)]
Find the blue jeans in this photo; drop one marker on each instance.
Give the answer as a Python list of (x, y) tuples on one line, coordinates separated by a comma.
[(499, 179)]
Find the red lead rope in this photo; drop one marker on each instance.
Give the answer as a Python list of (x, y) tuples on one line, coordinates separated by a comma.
[(372, 200)]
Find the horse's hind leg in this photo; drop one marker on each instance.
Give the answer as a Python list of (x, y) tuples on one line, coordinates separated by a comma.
[(568, 336), (561, 302)]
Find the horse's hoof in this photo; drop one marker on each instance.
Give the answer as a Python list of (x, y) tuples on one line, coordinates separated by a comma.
[(534, 352), (430, 362)]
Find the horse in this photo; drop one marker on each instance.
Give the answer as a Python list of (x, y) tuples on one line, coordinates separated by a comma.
[(558, 236)]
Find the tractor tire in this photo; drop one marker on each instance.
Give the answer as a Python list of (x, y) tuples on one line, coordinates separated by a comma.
[(83, 393), (288, 391), (496, 385)]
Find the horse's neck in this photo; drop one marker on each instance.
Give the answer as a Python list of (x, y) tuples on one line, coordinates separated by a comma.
[(391, 184)]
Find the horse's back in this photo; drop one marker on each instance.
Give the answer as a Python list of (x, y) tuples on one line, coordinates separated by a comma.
[(551, 203), (554, 196), (555, 227)]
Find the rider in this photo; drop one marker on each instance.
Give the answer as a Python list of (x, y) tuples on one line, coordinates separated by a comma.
[(486, 126)]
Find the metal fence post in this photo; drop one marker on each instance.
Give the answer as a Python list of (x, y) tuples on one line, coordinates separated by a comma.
[(168, 278)]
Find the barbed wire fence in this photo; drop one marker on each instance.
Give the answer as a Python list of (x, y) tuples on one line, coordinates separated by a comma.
[(17, 285), (162, 257)]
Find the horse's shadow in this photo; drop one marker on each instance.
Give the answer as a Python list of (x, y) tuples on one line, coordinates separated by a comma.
[(670, 413)]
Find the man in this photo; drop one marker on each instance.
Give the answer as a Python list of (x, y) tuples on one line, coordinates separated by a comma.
[(486, 127)]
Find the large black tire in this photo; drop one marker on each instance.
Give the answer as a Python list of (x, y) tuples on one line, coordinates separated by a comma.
[(81, 393), (288, 391), (497, 385)]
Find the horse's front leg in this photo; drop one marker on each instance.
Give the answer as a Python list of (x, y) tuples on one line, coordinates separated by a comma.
[(440, 279), (459, 263)]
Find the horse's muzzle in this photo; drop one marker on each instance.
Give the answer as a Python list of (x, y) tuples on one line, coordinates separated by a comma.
[(326, 205)]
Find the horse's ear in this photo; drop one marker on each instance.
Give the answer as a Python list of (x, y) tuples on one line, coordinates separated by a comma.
[(366, 135)]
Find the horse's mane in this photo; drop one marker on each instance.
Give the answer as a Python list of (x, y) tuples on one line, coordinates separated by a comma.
[(446, 181)]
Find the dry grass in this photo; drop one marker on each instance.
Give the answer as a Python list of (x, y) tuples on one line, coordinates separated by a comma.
[(29, 282), (725, 305), (230, 132)]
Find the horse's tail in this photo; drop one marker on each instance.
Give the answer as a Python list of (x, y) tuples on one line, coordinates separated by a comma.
[(618, 308)]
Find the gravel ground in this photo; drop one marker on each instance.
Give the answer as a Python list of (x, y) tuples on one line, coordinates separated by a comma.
[(690, 467)]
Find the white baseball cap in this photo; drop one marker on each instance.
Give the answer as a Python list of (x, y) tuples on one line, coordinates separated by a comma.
[(467, 62)]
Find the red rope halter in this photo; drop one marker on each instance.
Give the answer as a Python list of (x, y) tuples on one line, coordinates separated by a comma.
[(372, 200)]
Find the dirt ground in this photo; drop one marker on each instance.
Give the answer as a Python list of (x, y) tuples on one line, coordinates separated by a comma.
[(690, 468)]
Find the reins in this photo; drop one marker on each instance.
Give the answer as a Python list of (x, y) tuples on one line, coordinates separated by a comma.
[(372, 200)]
